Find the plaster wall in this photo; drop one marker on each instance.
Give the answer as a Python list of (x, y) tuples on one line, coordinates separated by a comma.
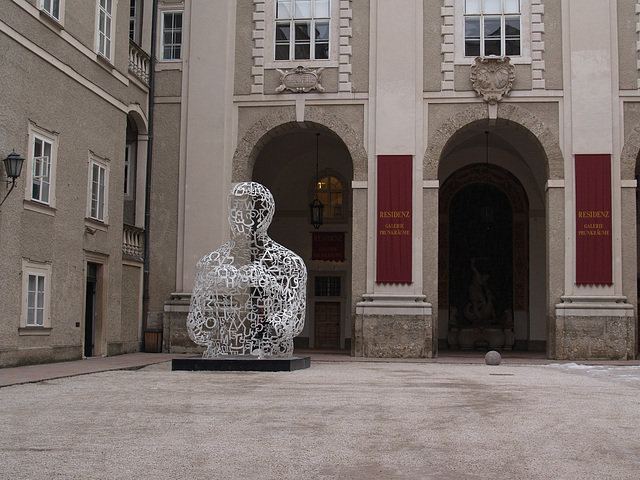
[(627, 44), (360, 28), (58, 235), (244, 45), (591, 65), (395, 80), (208, 135), (164, 209), (86, 114), (432, 48), (553, 51)]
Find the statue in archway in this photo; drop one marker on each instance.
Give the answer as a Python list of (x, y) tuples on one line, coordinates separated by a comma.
[(249, 295), (479, 310)]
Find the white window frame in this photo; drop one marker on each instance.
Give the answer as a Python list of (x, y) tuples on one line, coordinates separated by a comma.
[(525, 34), (128, 152), (38, 134), (34, 303), (270, 40), (49, 7), (98, 201), (163, 14), (135, 21), (106, 9)]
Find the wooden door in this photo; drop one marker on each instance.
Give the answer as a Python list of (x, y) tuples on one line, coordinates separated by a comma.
[(327, 319)]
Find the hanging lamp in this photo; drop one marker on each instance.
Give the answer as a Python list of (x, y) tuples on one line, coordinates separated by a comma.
[(316, 207)]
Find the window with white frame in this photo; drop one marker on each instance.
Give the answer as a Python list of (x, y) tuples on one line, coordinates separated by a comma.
[(128, 162), (134, 20), (40, 185), (41, 170), (98, 189), (52, 7), (105, 24), (302, 29), (35, 294), (492, 27), (172, 35)]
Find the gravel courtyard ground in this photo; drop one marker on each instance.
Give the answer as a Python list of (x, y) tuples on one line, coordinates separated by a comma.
[(345, 420)]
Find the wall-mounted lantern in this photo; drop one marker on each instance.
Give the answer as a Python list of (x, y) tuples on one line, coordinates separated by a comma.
[(13, 166)]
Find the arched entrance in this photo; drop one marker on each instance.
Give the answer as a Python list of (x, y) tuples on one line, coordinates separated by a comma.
[(286, 164), (492, 237), (483, 257)]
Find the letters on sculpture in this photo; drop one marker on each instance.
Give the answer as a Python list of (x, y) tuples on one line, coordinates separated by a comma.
[(249, 295)]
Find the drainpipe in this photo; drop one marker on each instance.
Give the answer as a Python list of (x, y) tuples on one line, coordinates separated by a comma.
[(147, 190)]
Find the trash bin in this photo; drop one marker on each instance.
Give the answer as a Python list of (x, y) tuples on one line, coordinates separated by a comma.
[(153, 341)]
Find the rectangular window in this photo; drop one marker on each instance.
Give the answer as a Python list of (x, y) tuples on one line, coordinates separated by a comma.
[(302, 29), (492, 27), (105, 17), (98, 191), (41, 170), (52, 7), (35, 300), (127, 169), (171, 35), (327, 287), (35, 294), (133, 20)]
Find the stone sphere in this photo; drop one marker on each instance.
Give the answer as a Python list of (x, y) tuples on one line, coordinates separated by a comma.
[(492, 358)]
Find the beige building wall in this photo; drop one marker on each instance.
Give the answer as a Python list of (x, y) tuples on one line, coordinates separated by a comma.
[(55, 84), (398, 82)]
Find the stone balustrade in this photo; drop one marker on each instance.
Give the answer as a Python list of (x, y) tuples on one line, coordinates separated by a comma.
[(133, 242), (139, 62)]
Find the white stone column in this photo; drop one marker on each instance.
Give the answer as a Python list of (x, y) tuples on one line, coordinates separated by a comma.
[(593, 321), (395, 320)]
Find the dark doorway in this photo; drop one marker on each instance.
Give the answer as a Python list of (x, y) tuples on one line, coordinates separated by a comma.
[(90, 310), (481, 256)]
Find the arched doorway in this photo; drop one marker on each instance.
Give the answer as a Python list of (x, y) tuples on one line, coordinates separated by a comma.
[(286, 164), (492, 236), (483, 270)]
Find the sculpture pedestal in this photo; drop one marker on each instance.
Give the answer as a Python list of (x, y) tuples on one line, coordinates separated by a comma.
[(240, 363)]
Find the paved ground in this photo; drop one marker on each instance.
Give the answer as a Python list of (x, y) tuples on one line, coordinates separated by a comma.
[(336, 420)]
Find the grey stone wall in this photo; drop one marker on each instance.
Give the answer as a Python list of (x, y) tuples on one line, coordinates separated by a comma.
[(395, 336)]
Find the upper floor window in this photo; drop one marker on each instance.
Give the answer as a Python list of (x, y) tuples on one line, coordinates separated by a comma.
[(128, 153), (41, 166), (134, 20), (52, 7), (98, 188), (302, 29), (105, 21), (492, 27), (331, 194), (171, 35)]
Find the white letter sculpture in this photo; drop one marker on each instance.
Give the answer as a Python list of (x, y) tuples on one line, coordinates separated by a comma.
[(249, 295)]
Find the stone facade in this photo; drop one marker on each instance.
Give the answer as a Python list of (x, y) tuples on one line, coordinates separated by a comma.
[(60, 86), (396, 79)]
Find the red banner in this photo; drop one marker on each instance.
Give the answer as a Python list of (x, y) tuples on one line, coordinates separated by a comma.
[(593, 220), (328, 246), (394, 219)]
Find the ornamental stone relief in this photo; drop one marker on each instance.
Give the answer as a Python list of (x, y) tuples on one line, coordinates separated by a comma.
[(300, 79), (492, 77)]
